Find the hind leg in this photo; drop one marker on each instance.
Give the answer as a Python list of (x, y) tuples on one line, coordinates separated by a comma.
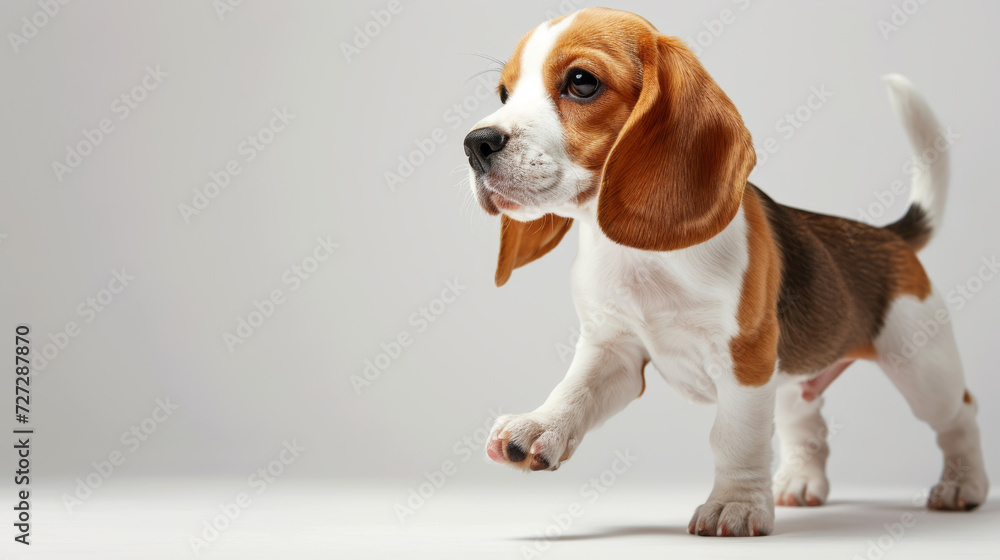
[(917, 351), (801, 478)]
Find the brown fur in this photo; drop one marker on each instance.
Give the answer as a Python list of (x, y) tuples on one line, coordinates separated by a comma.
[(591, 128), (866, 352), (673, 156), (523, 242), (642, 372), (914, 227), (755, 349), (676, 174), (511, 71), (660, 126), (838, 279)]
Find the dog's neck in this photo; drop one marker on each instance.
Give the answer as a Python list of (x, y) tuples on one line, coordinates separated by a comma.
[(594, 243)]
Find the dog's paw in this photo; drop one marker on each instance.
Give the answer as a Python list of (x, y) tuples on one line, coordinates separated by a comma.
[(960, 489), (734, 514), (530, 441), (800, 488)]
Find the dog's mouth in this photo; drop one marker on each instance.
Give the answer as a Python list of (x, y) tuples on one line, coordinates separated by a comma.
[(502, 202), (498, 193), (494, 201)]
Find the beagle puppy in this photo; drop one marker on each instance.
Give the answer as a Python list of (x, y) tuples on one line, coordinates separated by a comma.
[(734, 298)]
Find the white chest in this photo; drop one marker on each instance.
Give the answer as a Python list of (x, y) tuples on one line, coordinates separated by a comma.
[(681, 305)]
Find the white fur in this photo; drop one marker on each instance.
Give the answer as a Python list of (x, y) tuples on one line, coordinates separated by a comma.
[(678, 310), (801, 478), (932, 380), (917, 350), (929, 188), (533, 168)]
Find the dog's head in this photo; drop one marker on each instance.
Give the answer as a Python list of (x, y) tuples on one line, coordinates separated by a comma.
[(601, 109)]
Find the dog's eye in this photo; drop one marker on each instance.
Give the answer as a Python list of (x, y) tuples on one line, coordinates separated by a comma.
[(503, 94), (581, 84)]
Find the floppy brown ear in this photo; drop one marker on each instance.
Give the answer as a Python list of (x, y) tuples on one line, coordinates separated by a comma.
[(523, 242), (675, 175)]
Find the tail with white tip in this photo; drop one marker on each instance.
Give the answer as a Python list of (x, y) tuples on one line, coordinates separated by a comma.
[(929, 187)]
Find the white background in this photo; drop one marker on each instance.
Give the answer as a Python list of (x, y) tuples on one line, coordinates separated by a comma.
[(324, 176)]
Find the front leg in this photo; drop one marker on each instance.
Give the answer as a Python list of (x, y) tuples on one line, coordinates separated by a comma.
[(740, 503), (603, 378)]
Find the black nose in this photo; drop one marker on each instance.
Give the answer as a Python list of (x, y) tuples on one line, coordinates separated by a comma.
[(482, 143)]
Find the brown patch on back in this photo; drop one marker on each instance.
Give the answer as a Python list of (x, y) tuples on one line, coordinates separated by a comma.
[(838, 279), (910, 277), (755, 349), (967, 398), (865, 352)]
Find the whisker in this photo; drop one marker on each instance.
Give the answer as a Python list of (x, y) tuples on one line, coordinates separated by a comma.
[(469, 208), (477, 74), (541, 225), (469, 203), (488, 57)]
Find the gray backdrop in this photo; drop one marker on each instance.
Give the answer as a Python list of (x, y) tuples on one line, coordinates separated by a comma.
[(201, 90)]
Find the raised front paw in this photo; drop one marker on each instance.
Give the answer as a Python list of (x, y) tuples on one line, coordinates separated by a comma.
[(734, 514), (530, 441)]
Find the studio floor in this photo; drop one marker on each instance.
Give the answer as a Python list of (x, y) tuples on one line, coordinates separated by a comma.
[(180, 518)]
